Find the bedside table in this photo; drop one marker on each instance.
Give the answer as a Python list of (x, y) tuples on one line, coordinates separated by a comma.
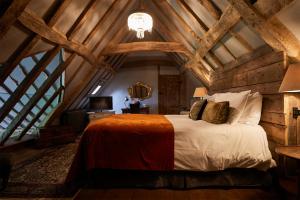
[(184, 112), (294, 153)]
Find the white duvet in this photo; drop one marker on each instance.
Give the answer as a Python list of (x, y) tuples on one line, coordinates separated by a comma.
[(203, 146)]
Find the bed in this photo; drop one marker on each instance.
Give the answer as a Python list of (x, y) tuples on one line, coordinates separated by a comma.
[(197, 151), (176, 151)]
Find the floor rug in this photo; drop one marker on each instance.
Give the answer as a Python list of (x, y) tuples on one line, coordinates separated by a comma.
[(42, 176)]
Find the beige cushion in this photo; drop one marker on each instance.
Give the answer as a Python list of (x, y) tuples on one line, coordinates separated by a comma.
[(237, 103), (216, 113), (197, 109)]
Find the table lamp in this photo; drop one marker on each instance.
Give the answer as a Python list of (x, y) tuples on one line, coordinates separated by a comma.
[(200, 92), (291, 83)]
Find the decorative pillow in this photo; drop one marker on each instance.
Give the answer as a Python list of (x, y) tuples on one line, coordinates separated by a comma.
[(197, 109), (237, 102), (216, 113), (252, 111)]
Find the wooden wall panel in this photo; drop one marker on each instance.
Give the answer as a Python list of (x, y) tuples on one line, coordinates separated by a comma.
[(262, 74)]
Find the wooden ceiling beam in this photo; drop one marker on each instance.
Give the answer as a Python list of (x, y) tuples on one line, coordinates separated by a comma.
[(146, 46), (165, 26), (86, 13), (37, 25), (172, 19), (101, 59), (173, 56), (209, 5), (271, 30), (11, 15), (116, 5), (211, 8), (228, 19), (187, 26), (149, 62), (203, 74), (58, 13), (243, 41), (23, 51), (79, 86), (187, 9)]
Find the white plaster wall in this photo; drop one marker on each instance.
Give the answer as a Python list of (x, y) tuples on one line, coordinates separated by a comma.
[(128, 76)]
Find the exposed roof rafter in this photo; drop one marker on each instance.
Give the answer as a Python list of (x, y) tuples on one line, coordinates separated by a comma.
[(271, 30), (146, 46)]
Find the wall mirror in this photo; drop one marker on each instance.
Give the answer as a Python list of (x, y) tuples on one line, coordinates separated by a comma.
[(140, 91)]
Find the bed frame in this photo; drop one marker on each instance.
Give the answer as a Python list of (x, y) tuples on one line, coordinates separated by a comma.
[(107, 178)]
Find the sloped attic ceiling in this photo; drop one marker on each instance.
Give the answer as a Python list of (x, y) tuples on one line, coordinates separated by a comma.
[(197, 35)]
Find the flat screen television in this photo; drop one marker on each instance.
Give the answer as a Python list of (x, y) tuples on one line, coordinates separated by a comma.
[(100, 103)]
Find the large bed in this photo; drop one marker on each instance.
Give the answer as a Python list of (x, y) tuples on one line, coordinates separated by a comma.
[(204, 154), (176, 145)]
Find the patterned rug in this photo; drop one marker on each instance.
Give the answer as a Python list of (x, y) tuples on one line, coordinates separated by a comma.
[(43, 176)]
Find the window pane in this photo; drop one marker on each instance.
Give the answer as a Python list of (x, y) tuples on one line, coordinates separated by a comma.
[(3, 94), (50, 92), (12, 113), (40, 79), (18, 107), (35, 110), (18, 75), (48, 110), (53, 64), (41, 103), (40, 55), (10, 84), (31, 91), (28, 64), (24, 99)]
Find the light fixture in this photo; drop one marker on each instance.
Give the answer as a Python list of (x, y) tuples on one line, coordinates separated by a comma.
[(96, 89), (140, 22), (291, 83), (200, 92)]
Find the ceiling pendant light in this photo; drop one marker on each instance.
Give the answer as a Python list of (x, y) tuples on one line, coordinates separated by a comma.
[(140, 22)]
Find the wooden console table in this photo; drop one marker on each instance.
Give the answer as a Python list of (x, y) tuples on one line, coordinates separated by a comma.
[(143, 110)]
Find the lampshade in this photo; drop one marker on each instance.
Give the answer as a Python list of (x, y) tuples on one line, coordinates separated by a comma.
[(291, 80), (200, 92)]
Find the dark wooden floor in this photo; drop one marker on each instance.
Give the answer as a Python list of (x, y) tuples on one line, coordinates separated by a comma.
[(140, 194), (165, 194)]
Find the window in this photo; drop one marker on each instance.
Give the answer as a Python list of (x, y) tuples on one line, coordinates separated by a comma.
[(38, 101)]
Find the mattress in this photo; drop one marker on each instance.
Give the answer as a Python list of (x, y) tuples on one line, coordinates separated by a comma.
[(202, 146)]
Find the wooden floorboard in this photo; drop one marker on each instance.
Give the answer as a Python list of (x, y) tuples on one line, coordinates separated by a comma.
[(166, 194)]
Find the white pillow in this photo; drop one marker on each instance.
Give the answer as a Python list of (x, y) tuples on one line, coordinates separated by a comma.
[(209, 97), (237, 102), (252, 111)]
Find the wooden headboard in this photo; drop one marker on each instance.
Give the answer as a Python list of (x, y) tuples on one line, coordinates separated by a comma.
[(263, 74)]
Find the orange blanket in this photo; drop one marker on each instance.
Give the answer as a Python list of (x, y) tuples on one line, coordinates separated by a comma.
[(130, 141)]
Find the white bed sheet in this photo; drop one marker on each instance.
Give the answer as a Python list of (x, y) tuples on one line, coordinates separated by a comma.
[(202, 146)]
